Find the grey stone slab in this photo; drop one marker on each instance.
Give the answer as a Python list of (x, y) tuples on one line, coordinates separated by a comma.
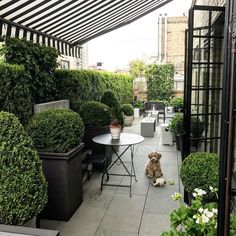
[(104, 232), (154, 224), (140, 187), (124, 213), (159, 199), (94, 198), (166, 148), (49, 105), (84, 222), (169, 158)]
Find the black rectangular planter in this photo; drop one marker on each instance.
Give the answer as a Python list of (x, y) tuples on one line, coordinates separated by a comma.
[(63, 173)]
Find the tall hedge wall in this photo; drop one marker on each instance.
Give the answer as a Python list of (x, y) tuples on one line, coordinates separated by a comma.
[(15, 96), (160, 81), (85, 85)]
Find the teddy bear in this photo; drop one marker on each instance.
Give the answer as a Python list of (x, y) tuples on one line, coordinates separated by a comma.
[(159, 182)]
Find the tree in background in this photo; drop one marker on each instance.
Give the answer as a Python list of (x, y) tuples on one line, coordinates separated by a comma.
[(137, 68), (160, 81)]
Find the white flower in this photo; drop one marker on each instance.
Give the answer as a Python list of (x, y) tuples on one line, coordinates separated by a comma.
[(201, 210), (215, 211), (211, 188), (201, 192), (209, 214), (194, 216), (205, 219), (198, 220)]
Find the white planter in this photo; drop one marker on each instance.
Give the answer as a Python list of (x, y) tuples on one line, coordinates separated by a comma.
[(136, 112), (115, 132), (128, 120)]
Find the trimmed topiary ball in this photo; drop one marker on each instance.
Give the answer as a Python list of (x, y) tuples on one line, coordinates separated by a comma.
[(200, 170), (95, 114), (56, 130), (23, 188), (128, 109)]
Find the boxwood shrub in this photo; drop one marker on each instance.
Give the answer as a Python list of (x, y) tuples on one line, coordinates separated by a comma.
[(95, 114), (200, 170), (15, 96), (127, 109), (23, 188), (56, 130)]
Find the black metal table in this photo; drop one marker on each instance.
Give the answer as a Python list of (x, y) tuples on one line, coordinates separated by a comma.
[(127, 140)]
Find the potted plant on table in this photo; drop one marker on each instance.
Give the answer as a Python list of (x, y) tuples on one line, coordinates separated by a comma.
[(129, 114), (57, 135), (117, 123), (23, 188)]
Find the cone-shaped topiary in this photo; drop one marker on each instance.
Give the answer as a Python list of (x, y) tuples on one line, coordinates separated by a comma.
[(23, 188), (95, 114), (200, 170), (110, 100), (56, 130)]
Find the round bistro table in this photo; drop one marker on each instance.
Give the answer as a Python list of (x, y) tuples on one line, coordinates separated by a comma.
[(128, 140)]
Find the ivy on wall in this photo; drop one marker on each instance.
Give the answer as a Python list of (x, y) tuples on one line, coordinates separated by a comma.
[(160, 82)]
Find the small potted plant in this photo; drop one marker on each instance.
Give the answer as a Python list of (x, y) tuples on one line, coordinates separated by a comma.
[(23, 187), (129, 114), (138, 108), (115, 129), (177, 127), (57, 135), (200, 170), (177, 103)]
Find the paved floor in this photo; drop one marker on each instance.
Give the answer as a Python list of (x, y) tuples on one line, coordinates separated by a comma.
[(113, 212)]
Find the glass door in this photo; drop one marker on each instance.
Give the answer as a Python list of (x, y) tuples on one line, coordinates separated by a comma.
[(203, 79)]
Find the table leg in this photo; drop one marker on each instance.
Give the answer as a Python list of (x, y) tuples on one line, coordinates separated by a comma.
[(132, 162)]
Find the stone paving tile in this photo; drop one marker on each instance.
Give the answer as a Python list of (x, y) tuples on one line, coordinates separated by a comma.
[(154, 224), (124, 213), (84, 222), (104, 232)]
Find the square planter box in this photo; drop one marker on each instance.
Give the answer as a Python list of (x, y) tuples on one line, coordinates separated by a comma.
[(63, 173)]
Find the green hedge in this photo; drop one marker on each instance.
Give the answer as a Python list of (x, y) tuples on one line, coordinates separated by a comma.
[(15, 96), (23, 188), (39, 61), (160, 82), (86, 85)]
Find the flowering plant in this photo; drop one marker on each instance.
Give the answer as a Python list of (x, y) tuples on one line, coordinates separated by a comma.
[(198, 219)]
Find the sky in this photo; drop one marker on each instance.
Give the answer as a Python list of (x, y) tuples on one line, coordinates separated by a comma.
[(137, 40)]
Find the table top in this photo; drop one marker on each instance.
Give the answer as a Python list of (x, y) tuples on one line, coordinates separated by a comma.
[(148, 120), (125, 139)]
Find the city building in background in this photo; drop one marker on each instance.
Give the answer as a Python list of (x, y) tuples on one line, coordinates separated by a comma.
[(171, 46)]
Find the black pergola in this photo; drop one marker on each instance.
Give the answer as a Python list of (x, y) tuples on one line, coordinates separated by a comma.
[(67, 24)]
